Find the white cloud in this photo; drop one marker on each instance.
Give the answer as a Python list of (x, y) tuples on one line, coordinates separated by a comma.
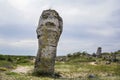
[(88, 14), (28, 43), (24, 43), (106, 32), (73, 45), (80, 17), (19, 4)]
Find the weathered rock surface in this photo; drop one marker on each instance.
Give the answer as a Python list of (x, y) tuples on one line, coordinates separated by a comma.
[(99, 51), (48, 34)]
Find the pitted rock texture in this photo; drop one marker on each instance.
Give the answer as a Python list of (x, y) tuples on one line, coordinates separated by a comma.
[(99, 51), (48, 34)]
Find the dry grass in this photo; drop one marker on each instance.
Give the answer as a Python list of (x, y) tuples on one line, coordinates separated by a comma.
[(68, 70)]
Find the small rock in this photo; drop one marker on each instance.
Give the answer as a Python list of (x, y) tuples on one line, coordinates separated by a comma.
[(108, 62), (91, 76)]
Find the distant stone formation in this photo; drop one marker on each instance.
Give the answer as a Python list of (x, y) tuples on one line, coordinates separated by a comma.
[(48, 33), (99, 51)]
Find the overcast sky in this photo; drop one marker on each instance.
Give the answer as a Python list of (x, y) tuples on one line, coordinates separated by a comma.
[(88, 24)]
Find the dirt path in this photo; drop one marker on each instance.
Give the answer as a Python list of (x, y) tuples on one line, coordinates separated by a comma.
[(23, 69), (93, 63)]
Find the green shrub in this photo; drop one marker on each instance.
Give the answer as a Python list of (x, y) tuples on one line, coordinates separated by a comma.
[(2, 57), (117, 70), (11, 73), (24, 62), (3, 69), (6, 64), (42, 74)]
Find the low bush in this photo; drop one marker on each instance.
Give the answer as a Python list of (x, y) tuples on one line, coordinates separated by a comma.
[(3, 69), (117, 70), (11, 73), (24, 62), (6, 64)]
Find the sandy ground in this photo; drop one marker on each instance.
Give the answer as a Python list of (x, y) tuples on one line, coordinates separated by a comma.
[(23, 69), (93, 63)]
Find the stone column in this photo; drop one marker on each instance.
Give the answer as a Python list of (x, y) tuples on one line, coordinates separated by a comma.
[(48, 34), (99, 51)]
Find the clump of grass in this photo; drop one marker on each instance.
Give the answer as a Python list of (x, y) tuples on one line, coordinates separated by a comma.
[(11, 73), (6, 64), (17, 60), (3, 69), (16, 76), (42, 74), (24, 62), (117, 70), (45, 74)]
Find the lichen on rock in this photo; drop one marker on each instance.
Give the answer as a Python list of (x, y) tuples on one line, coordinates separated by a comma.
[(48, 33)]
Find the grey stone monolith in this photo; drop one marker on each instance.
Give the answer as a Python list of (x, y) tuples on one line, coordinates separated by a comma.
[(48, 33), (99, 51)]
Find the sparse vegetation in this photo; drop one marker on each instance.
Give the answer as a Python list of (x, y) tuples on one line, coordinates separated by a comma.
[(76, 66)]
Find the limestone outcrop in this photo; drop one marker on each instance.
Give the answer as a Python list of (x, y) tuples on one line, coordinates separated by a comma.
[(99, 51), (48, 33)]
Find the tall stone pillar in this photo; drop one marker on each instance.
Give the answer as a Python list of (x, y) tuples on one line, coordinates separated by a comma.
[(99, 51), (48, 33)]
